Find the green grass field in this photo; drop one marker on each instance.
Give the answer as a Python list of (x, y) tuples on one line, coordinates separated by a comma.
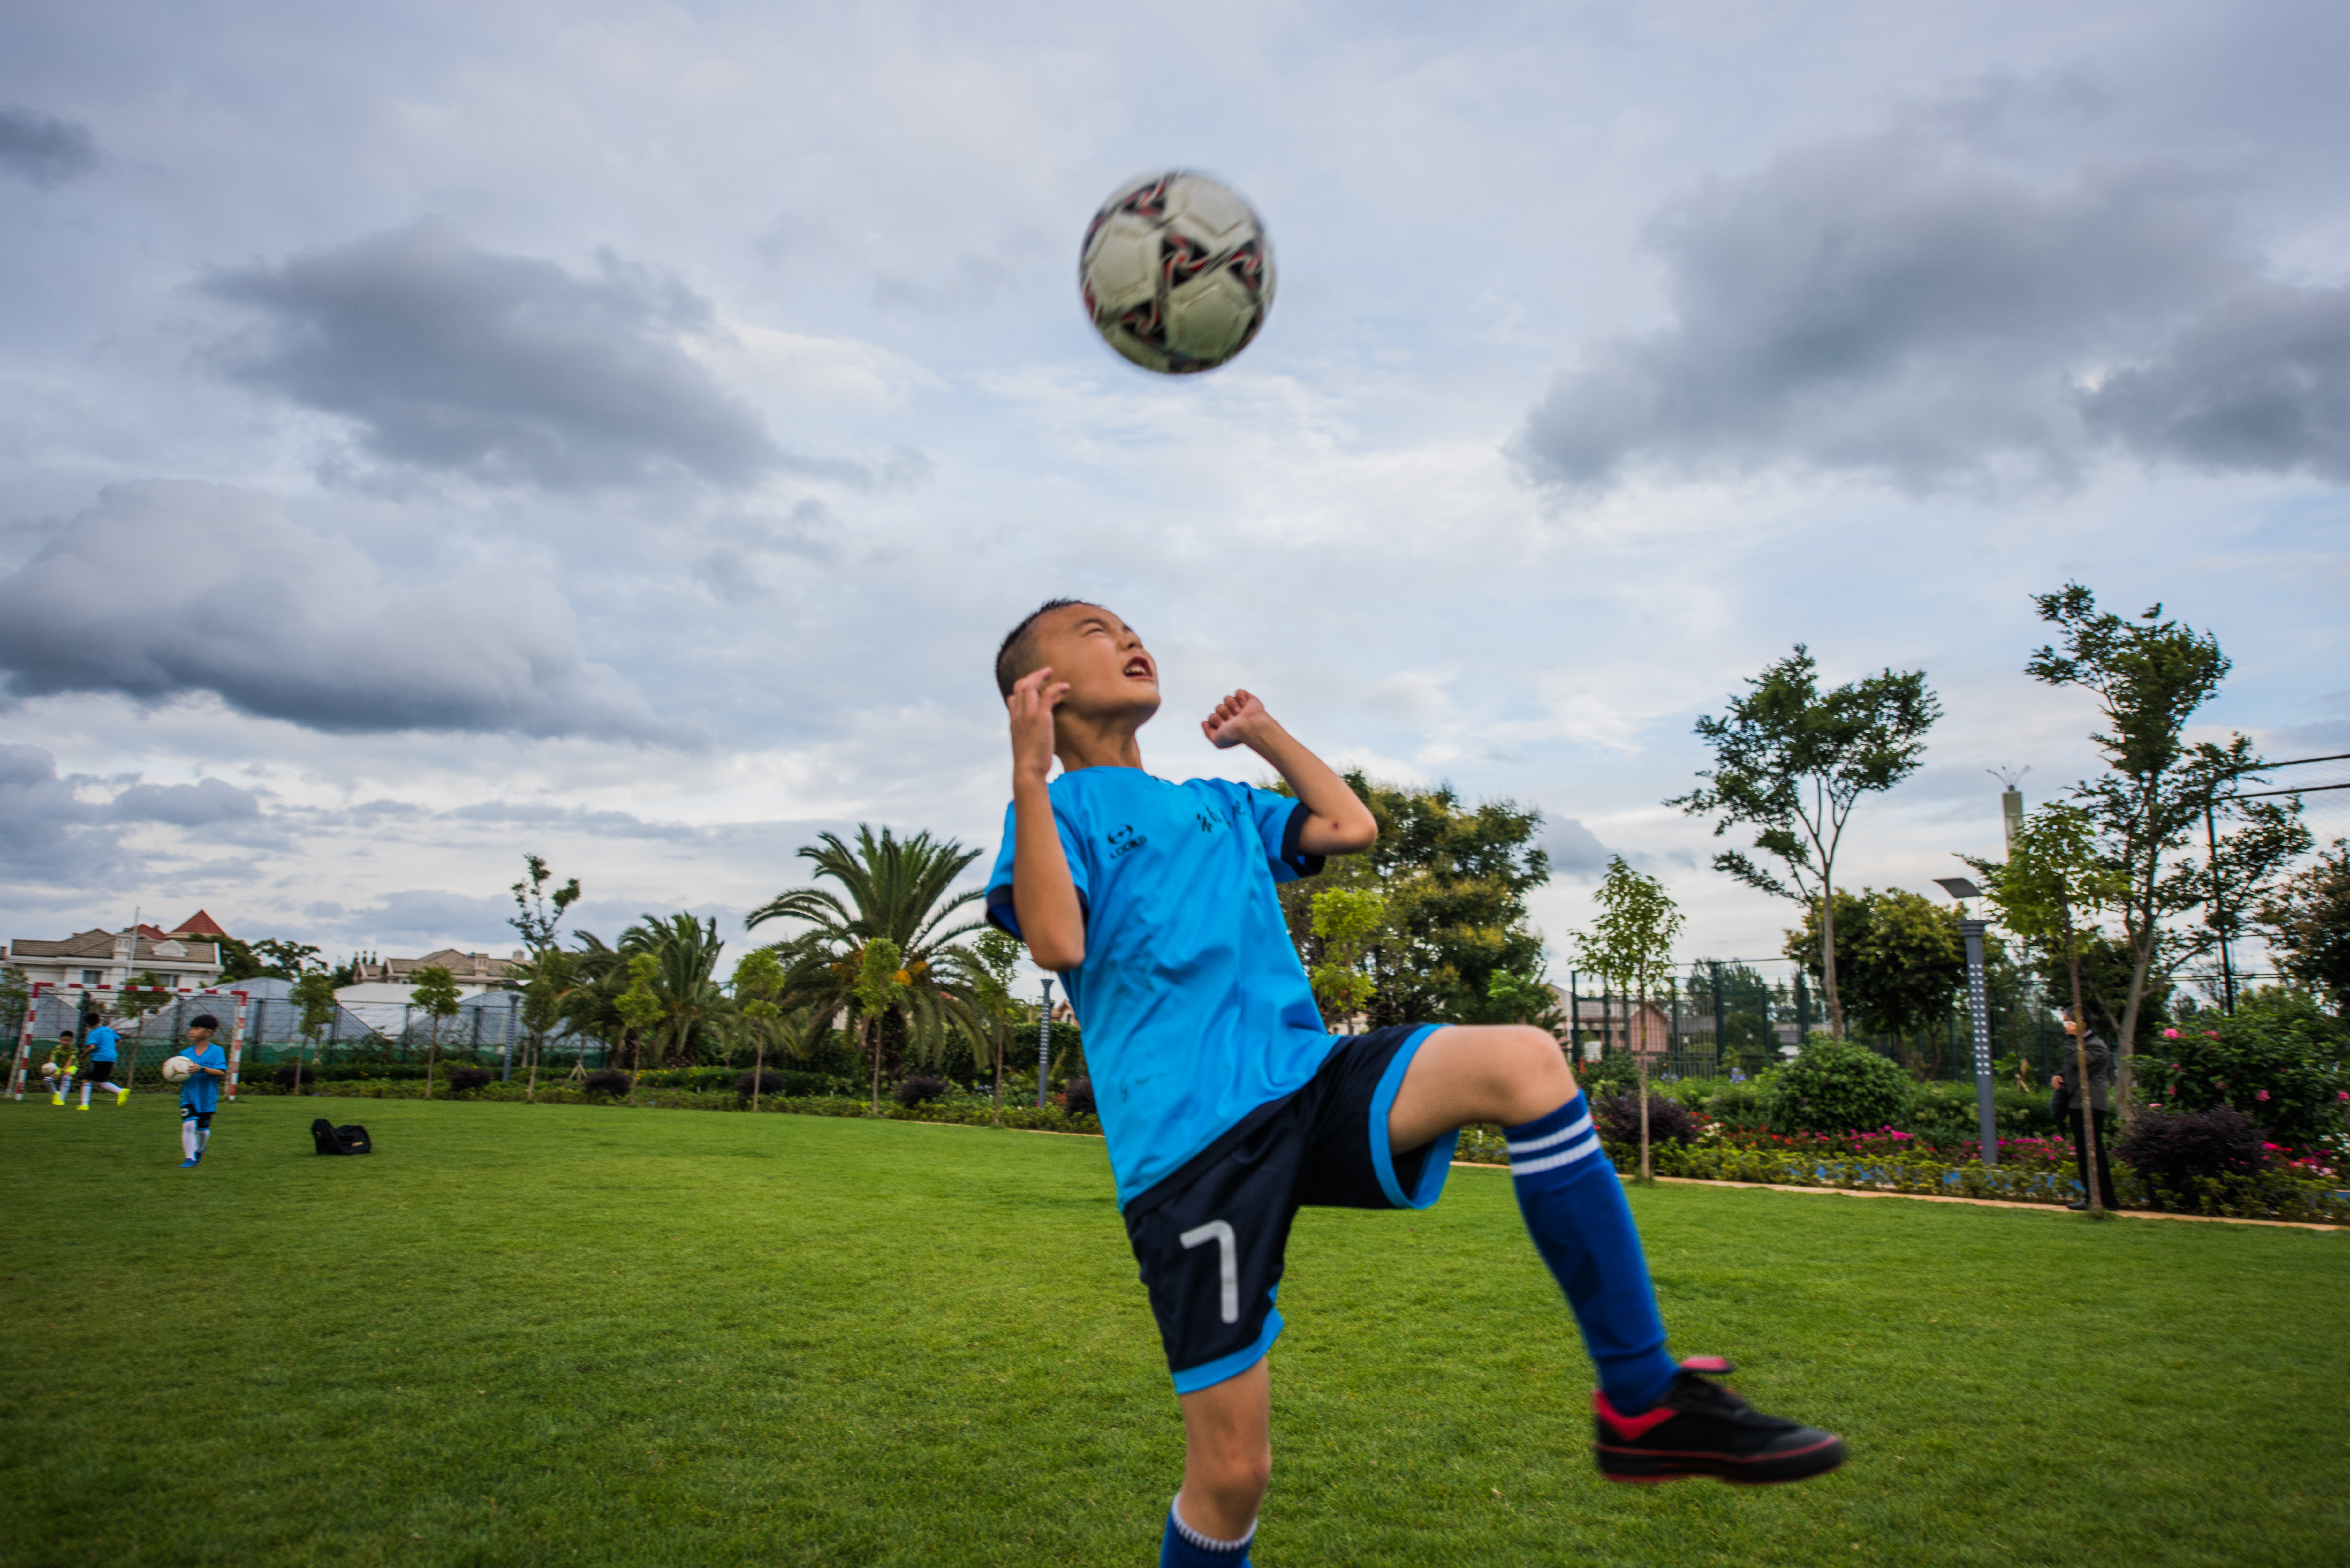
[(543, 1334)]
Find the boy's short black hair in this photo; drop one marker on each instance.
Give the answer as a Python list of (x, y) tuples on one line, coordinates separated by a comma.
[(203, 1021), (1016, 656)]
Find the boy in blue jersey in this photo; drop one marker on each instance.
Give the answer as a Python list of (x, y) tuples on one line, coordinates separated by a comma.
[(200, 1095), (1227, 1107), (102, 1045)]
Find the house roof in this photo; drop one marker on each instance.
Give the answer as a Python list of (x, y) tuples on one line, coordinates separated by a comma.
[(100, 944), (199, 924)]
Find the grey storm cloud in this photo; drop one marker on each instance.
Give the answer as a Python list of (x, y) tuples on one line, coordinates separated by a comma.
[(48, 833), (42, 149), (167, 589), (1573, 848), (1908, 305), (207, 803), (511, 369)]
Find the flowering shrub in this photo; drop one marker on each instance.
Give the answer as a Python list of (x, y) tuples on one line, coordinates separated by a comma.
[(2276, 1061), (1619, 1117), (1834, 1085), (2176, 1149)]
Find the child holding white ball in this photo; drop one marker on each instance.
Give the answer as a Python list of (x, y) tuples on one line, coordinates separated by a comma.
[(200, 1095)]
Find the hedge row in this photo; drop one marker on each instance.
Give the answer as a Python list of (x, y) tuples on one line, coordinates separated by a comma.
[(959, 1111)]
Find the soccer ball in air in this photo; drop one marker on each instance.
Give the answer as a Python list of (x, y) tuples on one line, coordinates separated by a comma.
[(1177, 272), (179, 1069)]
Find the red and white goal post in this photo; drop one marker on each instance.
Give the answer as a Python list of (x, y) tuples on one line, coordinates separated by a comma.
[(31, 1013)]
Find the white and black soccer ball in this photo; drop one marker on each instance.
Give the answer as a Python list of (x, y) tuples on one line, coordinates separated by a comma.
[(1177, 272), (178, 1069)]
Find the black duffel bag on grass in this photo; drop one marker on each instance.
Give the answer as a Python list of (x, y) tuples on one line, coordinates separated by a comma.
[(332, 1139)]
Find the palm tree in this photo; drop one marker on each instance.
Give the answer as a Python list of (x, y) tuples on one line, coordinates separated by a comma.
[(685, 953), (890, 891)]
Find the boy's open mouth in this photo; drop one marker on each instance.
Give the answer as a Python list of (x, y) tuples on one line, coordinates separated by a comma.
[(1139, 666)]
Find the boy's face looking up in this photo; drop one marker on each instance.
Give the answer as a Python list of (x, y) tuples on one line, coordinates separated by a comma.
[(1112, 678)]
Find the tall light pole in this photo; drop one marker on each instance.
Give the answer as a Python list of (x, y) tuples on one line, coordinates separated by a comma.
[(1979, 1013), (1044, 1042)]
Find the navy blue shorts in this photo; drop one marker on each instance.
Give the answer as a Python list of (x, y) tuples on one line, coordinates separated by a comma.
[(1211, 1237)]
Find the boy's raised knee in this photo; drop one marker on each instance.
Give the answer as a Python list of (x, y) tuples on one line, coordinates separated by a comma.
[(1534, 1070)]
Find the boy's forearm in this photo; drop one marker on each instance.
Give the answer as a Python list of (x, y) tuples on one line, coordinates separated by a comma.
[(1340, 824), (1044, 894)]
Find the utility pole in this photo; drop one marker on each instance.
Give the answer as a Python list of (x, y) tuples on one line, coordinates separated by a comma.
[(2227, 965), (1044, 1042)]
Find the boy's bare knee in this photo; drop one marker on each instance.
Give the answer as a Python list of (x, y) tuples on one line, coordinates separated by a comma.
[(1536, 1076)]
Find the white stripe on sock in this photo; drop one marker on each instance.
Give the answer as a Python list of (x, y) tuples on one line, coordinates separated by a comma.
[(1564, 1135), (1208, 1542), (1553, 1161)]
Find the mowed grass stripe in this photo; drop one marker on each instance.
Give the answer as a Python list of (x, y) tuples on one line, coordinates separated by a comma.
[(568, 1334)]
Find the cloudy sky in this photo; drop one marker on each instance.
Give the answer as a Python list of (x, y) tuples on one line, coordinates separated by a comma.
[(432, 433)]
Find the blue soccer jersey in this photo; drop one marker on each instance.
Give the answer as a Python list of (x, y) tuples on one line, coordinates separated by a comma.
[(101, 1042), (201, 1092), (1196, 1009)]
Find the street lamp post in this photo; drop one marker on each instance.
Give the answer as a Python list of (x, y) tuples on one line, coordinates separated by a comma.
[(1978, 1013), (1044, 1043)]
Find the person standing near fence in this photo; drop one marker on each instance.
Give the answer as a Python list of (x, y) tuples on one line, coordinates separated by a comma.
[(100, 1046), (2086, 1110)]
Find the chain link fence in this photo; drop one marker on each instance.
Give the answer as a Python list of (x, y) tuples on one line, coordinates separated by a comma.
[(1732, 1017), (487, 1031)]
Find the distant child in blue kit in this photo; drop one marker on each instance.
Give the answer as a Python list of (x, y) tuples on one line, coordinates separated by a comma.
[(1227, 1107), (102, 1045), (200, 1095)]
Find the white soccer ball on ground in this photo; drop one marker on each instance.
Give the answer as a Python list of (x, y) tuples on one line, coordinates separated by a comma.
[(1177, 272), (179, 1069)]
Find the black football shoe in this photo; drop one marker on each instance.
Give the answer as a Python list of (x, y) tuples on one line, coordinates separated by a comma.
[(1701, 1428)]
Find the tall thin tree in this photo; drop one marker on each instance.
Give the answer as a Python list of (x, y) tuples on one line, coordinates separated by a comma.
[(1630, 944), (1792, 760), (2149, 677)]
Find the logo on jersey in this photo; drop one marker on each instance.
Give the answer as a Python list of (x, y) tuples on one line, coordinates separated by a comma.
[(1122, 839)]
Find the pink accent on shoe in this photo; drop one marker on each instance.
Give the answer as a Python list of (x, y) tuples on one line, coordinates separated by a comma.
[(1716, 1366), (1631, 1425)]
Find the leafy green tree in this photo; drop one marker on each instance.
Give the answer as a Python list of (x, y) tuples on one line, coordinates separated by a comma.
[(893, 890), (588, 1004), (2159, 795), (1630, 945), (986, 969), (1453, 880), (758, 983), (1527, 1000), (1901, 958), (2306, 919), (433, 989), (641, 1008), (2050, 891), (1792, 760), (545, 979), (879, 988), (536, 916), (314, 1001), (1346, 919), (285, 960)]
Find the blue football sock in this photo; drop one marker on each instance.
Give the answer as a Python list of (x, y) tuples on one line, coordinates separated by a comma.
[(1574, 1205), (1184, 1547)]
